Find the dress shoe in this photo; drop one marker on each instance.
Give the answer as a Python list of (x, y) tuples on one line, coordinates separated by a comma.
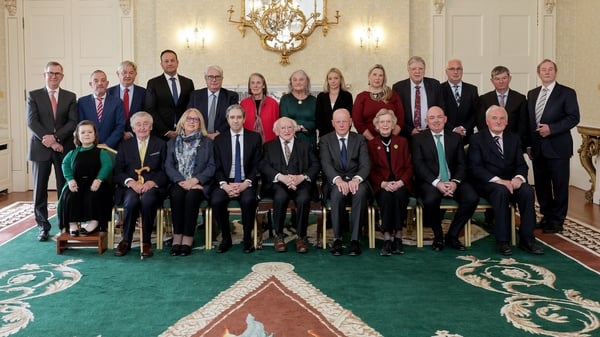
[(438, 245), (74, 232), (175, 250), (122, 249), (43, 235), (503, 248), (224, 246), (386, 250), (452, 241), (185, 250), (337, 249), (397, 247), (354, 248), (147, 250), (248, 248), (85, 232), (301, 246), (542, 224), (553, 229), (531, 247), (279, 244)]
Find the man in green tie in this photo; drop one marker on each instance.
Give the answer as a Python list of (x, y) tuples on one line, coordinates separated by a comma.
[(440, 168)]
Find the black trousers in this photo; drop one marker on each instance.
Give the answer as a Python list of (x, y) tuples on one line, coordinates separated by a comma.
[(248, 203), (185, 206), (282, 196)]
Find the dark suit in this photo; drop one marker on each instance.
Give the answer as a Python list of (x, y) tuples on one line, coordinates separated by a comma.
[(111, 127), (358, 165), (304, 161), (551, 155), (252, 154), (137, 101), (199, 99), (515, 106), (485, 163), (434, 98), (126, 162), (464, 114), (426, 168), (40, 120), (324, 111), (159, 103)]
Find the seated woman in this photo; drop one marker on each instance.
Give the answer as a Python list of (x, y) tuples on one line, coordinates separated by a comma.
[(190, 166), (390, 177), (87, 195), (261, 110), (300, 106)]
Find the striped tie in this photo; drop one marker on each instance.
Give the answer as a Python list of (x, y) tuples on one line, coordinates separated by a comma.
[(456, 95), (497, 140), (539, 107), (99, 109)]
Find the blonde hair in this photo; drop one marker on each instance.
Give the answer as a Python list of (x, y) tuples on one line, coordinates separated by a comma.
[(184, 116), (386, 90), (342, 81)]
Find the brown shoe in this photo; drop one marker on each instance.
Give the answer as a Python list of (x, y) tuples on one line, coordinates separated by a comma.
[(147, 250), (122, 249), (301, 246), (280, 245)]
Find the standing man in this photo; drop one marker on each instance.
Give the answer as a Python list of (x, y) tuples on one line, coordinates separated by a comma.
[(346, 165), (238, 152), (418, 93), (167, 96), (289, 169), (52, 118), (512, 101), (132, 95), (213, 101), (104, 110), (553, 112), (499, 172), (440, 170), (142, 156), (460, 101)]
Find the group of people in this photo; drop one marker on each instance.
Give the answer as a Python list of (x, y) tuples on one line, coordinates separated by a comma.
[(194, 145)]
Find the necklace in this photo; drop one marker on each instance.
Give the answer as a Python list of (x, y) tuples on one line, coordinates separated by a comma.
[(387, 145), (376, 96), (299, 101)]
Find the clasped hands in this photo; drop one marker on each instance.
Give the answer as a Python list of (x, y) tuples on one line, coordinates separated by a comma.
[(346, 187), (291, 181), (190, 184), (73, 187), (447, 188), (141, 188), (392, 186), (234, 190), (511, 185), (50, 141)]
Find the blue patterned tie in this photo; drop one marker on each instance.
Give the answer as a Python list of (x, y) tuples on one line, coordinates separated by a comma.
[(344, 153), (238, 160)]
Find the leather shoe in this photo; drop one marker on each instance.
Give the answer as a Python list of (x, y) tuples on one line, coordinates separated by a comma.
[(452, 241), (122, 249), (337, 249), (553, 229), (301, 246), (175, 250), (437, 246), (504, 248), (542, 224), (185, 250), (43, 235), (386, 250), (147, 250), (280, 244), (531, 248), (224, 246), (397, 247), (74, 233), (85, 232), (248, 248), (354, 248)]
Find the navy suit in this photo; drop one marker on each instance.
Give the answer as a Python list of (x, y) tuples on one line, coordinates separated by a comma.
[(434, 98), (485, 163), (464, 114), (159, 103), (515, 106), (126, 162), (199, 100), (111, 127), (137, 101), (551, 155)]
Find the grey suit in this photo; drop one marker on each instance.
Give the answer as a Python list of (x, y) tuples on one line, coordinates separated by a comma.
[(41, 122)]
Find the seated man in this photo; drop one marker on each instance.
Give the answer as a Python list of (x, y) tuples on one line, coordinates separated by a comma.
[(440, 167), (237, 155), (289, 169), (142, 181), (346, 165), (499, 172)]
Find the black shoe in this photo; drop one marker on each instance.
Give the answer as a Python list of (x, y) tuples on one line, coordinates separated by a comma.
[(354, 248), (438, 245), (397, 247), (175, 250), (85, 232), (542, 224), (224, 246), (386, 250), (452, 241), (185, 250), (553, 229), (43, 235), (337, 248), (248, 248), (74, 233), (531, 247), (503, 248)]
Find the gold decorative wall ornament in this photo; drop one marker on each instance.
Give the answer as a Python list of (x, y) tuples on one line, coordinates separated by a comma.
[(283, 25), (590, 148)]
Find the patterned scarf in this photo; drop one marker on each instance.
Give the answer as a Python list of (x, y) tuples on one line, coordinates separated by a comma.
[(185, 152)]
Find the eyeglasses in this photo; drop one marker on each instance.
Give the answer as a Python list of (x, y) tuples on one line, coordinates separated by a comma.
[(455, 69), (51, 74), (214, 77), (192, 119)]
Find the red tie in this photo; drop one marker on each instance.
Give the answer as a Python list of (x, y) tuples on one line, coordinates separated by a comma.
[(126, 103), (99, 109), (417, 111), (53, 102)]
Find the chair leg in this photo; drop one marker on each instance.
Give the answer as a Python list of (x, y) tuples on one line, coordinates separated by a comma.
[(513, 226), (111, 230), (371, 224), (324, 226), (208, 229), (419, 216), (468, 233)]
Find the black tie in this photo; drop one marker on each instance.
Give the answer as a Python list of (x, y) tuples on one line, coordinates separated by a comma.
[(344, 153)]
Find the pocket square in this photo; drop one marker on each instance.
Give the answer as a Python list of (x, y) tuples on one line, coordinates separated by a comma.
[(154, 153)]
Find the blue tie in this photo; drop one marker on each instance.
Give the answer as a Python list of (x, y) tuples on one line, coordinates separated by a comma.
[(238, 160), (344, 153), (174, 88), (444, 176)]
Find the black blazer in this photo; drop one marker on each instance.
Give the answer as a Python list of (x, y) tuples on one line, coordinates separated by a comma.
[(324, 111), (516, 107), (199, 100), (561, 113), (137, 101), (159, 103), (434, 98), (425, 159), (464, 114), (252, 155), (486, 162)]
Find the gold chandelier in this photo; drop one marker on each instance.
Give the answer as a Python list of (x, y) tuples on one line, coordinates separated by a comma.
[(283, 25)]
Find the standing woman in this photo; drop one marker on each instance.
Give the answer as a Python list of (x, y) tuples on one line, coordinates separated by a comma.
[(334, 96), (87, 195), (390, 177), (378, 96), (300, 106), (190, 166), (261, 110)]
